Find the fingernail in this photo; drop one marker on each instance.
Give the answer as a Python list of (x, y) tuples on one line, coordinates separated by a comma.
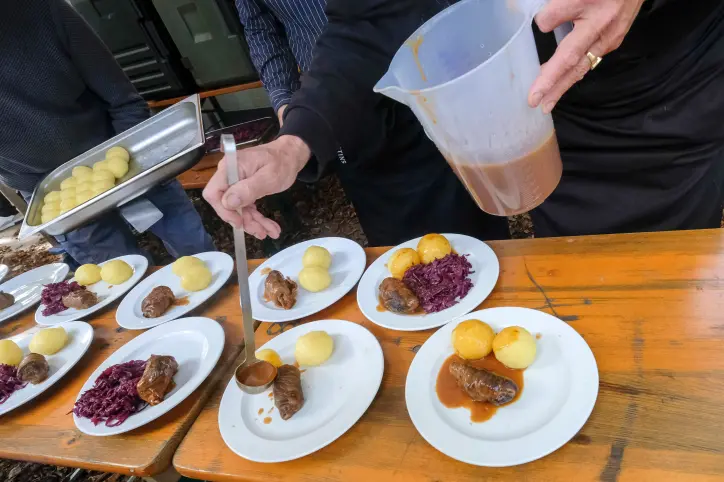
[(536, 98), (233, 201), (548, 108)]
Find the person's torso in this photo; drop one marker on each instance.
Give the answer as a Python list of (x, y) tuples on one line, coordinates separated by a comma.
[(303, 21), (48, 113)]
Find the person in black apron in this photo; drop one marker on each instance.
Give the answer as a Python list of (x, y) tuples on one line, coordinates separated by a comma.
[(642, 135)]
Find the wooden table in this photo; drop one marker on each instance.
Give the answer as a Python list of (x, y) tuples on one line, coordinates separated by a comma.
[(651, 307), (198, 176), (43, 430), (157, 104)]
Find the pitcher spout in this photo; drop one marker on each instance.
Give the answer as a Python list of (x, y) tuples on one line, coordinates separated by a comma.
[(389, 86)]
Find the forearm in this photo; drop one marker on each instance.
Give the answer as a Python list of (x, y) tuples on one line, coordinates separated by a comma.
[(336, 107)]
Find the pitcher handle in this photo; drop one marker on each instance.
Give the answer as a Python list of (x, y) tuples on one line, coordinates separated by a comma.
[(532, 7)]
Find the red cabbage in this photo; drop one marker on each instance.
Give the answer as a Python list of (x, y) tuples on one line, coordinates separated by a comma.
[(52, 296), (439, 284), (9, 382), (114, 396)]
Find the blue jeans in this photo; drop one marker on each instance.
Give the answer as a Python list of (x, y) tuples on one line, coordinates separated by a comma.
[(180, 229)]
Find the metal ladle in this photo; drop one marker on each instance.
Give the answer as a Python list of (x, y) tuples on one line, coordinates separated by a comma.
[(242, 271)]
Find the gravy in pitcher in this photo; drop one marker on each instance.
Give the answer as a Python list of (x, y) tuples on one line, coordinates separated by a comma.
[(516, 186)]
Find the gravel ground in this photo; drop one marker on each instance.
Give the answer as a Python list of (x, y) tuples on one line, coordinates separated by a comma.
[(305, 212)]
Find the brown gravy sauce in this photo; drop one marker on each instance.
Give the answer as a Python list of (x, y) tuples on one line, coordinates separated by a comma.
[(452, 396), (261, 410), (267, 420), (415, 46), (183, 301), (257, 374), (381, 308)]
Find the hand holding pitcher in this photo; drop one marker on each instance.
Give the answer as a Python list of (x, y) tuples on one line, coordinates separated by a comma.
[(600, 27)]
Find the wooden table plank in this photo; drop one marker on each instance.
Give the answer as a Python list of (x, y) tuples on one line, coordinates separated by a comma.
[(651, 307), (155, 104), (198, 176), (43, 430)]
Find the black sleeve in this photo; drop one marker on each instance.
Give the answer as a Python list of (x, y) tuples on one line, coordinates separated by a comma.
[(332, 108), (99, 68)]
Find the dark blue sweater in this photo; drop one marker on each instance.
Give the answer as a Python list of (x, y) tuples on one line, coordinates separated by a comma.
[(61, 91)]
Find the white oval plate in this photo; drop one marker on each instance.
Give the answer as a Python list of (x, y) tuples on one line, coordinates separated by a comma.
[(348, 263), (559, 392), (27, 287), (195, 343), (485, 274), (80, 336), (106, 293), (129, 313), (336, 394), (4, 270)]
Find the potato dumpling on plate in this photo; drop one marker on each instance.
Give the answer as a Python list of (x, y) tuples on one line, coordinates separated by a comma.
[(48, 341), (314, 279), (184, 263), (316, 256), (432, 247), (52, 196), (118, 151), (269, 355), (88, 274), (313, 348), (68, 183), (473, 339), (117, 166), (196, 278), (515, 347), (402, 260), (10, 353), (116, 272), (82, 173)]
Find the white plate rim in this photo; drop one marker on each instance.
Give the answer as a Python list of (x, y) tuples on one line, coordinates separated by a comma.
[(74, 315), (479, 293), (61, 267), (86, 331), (416, 394), (125, 311), (232, 391), (263, 313), (214, 335)]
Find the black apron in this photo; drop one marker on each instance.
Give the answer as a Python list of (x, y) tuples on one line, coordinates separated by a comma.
[(642, 136)]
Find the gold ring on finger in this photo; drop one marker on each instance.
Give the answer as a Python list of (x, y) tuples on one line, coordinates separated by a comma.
[(593, 59)]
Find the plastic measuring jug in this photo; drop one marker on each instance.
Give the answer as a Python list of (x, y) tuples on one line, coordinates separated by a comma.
[(466, 74)]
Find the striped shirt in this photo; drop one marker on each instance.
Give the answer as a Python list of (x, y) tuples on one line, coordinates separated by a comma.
[(281, 35)]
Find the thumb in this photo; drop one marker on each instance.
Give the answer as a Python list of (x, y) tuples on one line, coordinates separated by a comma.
[(243, 193)]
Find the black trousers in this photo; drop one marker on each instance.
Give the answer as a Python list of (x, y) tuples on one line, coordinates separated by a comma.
[(642, 138)]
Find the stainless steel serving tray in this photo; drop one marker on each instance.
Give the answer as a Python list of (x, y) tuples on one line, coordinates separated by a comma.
[(161, 148)]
